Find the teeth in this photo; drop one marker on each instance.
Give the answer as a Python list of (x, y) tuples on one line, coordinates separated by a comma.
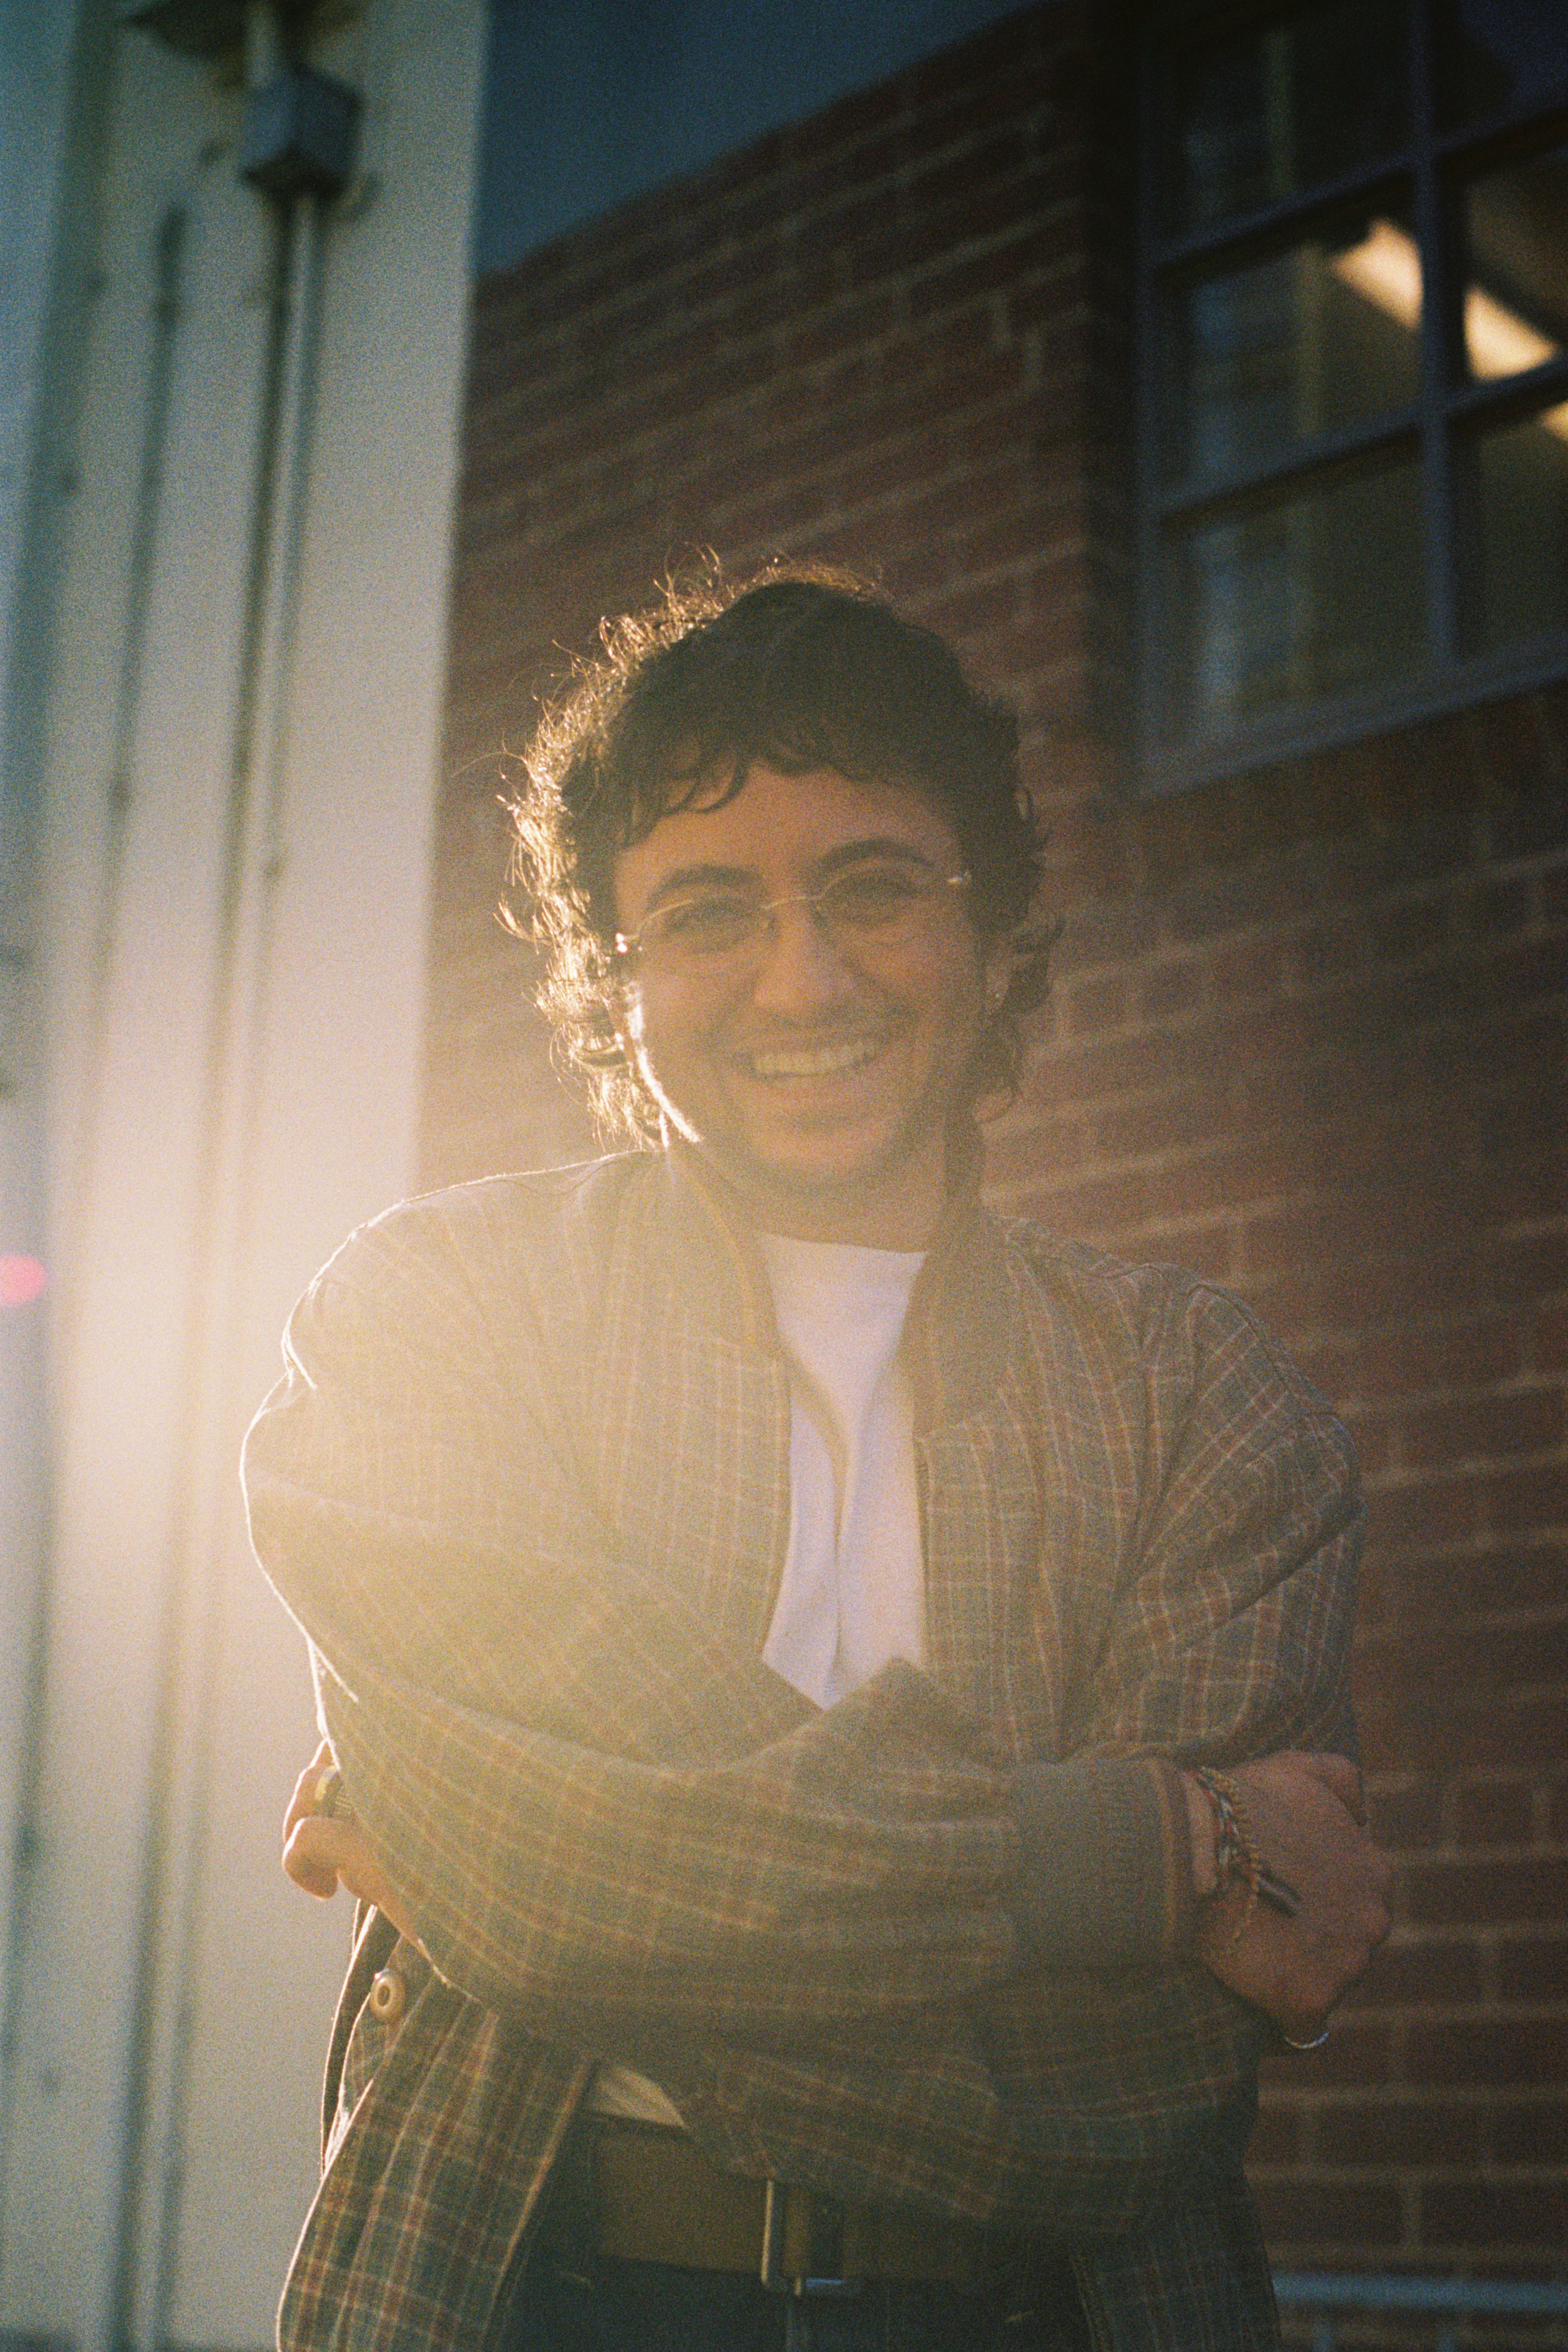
[(817, 1064)]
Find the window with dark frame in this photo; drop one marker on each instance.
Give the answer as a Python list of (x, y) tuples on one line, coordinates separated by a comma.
[(1353, 368)]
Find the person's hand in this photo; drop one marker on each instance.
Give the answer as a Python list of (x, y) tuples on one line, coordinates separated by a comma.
[(322, 1850), (1309, 1824)]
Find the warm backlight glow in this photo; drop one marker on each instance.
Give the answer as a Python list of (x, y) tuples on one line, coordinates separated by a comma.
[(21, 1279), (1386, 268)]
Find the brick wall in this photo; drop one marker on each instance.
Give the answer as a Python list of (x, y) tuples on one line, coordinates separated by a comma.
[(1307, 1033), (1313, 1043), (871, 339)]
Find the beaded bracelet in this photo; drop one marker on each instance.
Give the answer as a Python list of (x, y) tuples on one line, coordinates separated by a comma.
[(1236, 1855)]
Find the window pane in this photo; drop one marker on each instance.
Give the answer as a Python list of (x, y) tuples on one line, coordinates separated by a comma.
[(1522, 498), (1275, 110), (1516, 294), (1501, 53), (1312, 341), (1318, 595)]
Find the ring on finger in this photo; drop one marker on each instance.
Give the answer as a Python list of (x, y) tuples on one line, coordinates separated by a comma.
[(327, 1796), (1316, 2044)]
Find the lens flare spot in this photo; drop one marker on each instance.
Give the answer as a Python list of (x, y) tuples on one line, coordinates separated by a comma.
[(21, 1279)]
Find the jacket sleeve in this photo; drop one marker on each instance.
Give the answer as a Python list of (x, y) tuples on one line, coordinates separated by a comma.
[(1228, 1633), (611, 1826)]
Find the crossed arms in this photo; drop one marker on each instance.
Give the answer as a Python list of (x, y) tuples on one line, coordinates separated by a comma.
[(600, 1819)]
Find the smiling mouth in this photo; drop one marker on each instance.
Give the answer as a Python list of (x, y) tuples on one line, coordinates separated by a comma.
[(815, 1062)]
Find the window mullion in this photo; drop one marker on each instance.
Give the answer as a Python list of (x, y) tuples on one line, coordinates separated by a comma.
[(1156, 648), (1432, 230), (1333, 454)]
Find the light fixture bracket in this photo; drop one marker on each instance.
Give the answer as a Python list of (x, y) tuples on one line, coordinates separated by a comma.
[(299, 134)]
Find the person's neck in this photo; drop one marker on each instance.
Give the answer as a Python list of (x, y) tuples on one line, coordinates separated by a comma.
[(889, 1216)]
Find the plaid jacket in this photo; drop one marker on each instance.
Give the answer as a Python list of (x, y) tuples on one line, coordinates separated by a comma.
[(525, 1488)]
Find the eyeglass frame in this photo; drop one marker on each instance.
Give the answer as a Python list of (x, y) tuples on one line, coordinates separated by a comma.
[(628, 944)]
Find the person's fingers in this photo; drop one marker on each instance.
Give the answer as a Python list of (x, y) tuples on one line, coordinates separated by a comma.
[(316, 1852), (1338, 1773), (302, 1804)]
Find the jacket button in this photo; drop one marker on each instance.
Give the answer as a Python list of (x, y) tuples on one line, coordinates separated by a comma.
[(388, 1998)]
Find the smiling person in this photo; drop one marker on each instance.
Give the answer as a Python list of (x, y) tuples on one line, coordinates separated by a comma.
[(833, 1704)]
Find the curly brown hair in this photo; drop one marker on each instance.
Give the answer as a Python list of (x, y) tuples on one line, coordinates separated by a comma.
[(803, 668)]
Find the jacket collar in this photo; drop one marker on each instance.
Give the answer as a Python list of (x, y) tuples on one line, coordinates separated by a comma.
[(957, 1340)]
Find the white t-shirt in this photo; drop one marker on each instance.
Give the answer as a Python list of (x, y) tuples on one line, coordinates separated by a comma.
[(852, 1594)]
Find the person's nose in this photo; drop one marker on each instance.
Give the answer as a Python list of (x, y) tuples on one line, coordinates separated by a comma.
[(802, 972)]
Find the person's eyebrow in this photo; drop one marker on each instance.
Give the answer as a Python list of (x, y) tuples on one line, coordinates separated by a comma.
[(685, 878), (876, 844)]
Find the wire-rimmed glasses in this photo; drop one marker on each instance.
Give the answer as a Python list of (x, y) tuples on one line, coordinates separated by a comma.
[(726, 929)]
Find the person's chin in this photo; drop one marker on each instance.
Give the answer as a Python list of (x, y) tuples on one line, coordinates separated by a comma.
[(823, 1156)]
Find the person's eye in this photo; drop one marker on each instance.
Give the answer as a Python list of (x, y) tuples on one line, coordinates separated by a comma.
[(705, 926), (873, 895)]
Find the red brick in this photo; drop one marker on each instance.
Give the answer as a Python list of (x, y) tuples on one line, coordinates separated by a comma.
[(1461, 1731), (1171, 990), (1548, 1338), (1493, 1812), (1497, 907), (1207, 1249), (1534, 1967), (1323, 2214), (1499, 1578), (1534, 1497), (1276, 2136), (1537, 2134), (1246, 973), (1401, 1819), (1443, 1282), (1329, 949), (1533, 1886), (1405, 2132), (1003, 155), (1532, 1268), (1228, 1177), (1127, 1065), (1105, 934), (1419, 1975), (1371, 1435), (1488, 2051), (1524, 1421), (1093, 1006), (1475, 1658), (1193, 1114), (1380, 1156), (1418, 928), (1442, 1510), (1099, 1205), (1494, 2213)]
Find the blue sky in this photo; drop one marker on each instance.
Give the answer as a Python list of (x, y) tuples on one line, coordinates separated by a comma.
[(590, 102)]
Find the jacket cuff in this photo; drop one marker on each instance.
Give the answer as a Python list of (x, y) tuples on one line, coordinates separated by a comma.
[(1105, 1877)]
